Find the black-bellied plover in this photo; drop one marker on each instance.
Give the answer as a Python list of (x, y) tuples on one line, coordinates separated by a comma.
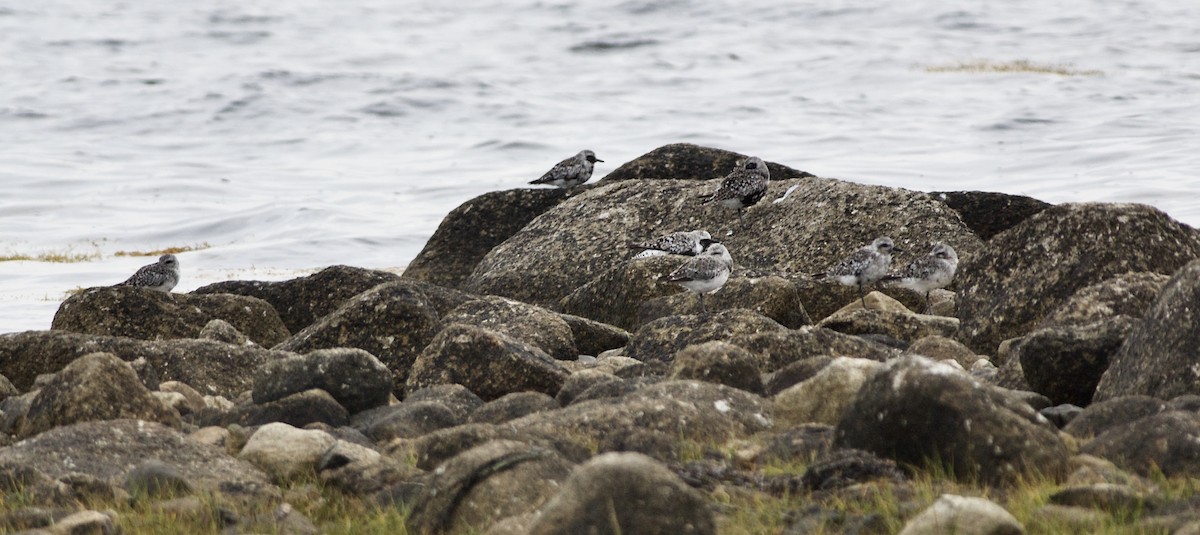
[(743, 187), (705, 273), (690, 243), (570, 172), (162, 275), (929, 272), (864, 266)]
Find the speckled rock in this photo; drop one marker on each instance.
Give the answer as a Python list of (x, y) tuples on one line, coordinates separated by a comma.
[(299, 410), (1070, 246), (900, 325), (488, 363), (1159, 357), (615, 295), (783, 347), (1164, 441), (1128, 294), (824, 397), (685, 161), (472, 229), (1066, 363), (533, 325), (303, 300), (963, 515), (989, 213), (151, 315), (219, 330), (98, 386), (411, 419), (285, 452), (771, 296), (659, 340), (355, 378), (625, 493), (513, 406), (455, 397), (593, 337), (580, 381), (943, 348), (1112, 413), (914, 410), (719, 362)]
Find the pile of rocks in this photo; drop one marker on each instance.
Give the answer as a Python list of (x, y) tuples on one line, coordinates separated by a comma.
[(525, 375)]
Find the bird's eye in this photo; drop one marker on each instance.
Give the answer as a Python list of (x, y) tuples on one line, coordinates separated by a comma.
[(751, 165)]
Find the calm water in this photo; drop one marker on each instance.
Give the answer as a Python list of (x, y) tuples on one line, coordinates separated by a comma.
[(288, 136)]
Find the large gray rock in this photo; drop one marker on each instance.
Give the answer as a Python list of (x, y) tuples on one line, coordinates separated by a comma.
[(783, 347), (824, 397), (659, 340), (988, 213), (1128, 295), (486, 484), (593, 337), (1160, 357), (616, 294), (530, 324), (488, 363), (214, 368), (285, 452), (918, 411), (557, 252), (625, 493), (99, 386), (302, 301), (1068, 246), (1112, 413), (685, 161), (393, 321), (128, 444), (719, 362), (355, 378), (898, 324), (1163, 442), (150, 315), (963, 515), (472, 229), (1066, 363), (771, 296)]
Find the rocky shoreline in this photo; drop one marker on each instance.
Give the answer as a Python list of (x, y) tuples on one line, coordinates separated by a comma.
[(524, 375)]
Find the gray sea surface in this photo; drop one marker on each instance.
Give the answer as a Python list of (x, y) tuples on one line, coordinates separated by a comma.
[(282, 137)]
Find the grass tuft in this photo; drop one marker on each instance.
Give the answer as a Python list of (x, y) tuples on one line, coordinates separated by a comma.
[(168, 250), (1017, 66), (59, 257)]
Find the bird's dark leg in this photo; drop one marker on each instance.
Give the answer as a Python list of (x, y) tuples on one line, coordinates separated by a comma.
[(862, 297), (928, 304), (703, 310)]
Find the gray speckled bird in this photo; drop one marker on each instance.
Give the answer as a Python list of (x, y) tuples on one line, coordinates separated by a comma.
[(743, 187), (162, 275), (928, 272), (570, 172), (690, 243), (864, 266), (705, 273)]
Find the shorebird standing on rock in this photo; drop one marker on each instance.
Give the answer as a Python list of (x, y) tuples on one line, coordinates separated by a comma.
[(684, 243), (162, 275), (570, 172), (929, 272), (743, 187), (706, 273), (864, 266)]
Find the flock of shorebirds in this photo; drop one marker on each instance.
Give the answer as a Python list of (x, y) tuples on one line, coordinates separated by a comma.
[(709, 268)]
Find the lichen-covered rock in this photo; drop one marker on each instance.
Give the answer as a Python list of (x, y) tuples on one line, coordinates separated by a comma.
[(963, 515), (899, 325), (794, 373), (1164, 441), (719, 362), (625, 493), (824, 397), (303, 300), (411, 419), (488, 363), (530, 324), (581, 381), (771, 296), (472, 229), (1069, 246), (1159, 357), (1112, 413), (548, 259), (943, 348), (285, 452), (988, 213), (98, 386), (455, 397), (918, 411), (783, 347), (685, 161), (486, 484), (1066, 363), (355, 378), (212, 367), (513, 406), (149, 315), (298, 410), (219, 330), (593, 337), (392, 321), (615, 295), (1128, 294), (659, 340), (129, 443)]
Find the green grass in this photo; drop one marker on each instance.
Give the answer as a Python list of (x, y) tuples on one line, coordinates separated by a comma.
[(1017, 66)]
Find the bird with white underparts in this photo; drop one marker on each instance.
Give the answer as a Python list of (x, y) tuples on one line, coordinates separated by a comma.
[(689, 243), (928, 272), (743, 187), (162, 275), (704, 273), (864, 266), (570, 172)]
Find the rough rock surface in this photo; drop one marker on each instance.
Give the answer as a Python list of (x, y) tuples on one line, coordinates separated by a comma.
[(152, 315), (284, 452), (488, 363), (355, 378), (783, 347), (771, 296), (302, 301), (472, 229), (211, 367), (719, 362), (1164, 441), (533, 325), (1069, 246), (615, 295), (625, 493), (963, 515), (659, 340), (824, 397), (411, 419), (486, 484), (1066, 363), (1128, 294), (899, 325), (1112, 413), (299, 410), (685, 161), (943, 348), (392, 321), (513, 406), (98, 386), (805, 233), (1159, 357), (988, 213), (127, 444), (455, 397), (593, 337), (915, 410)]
